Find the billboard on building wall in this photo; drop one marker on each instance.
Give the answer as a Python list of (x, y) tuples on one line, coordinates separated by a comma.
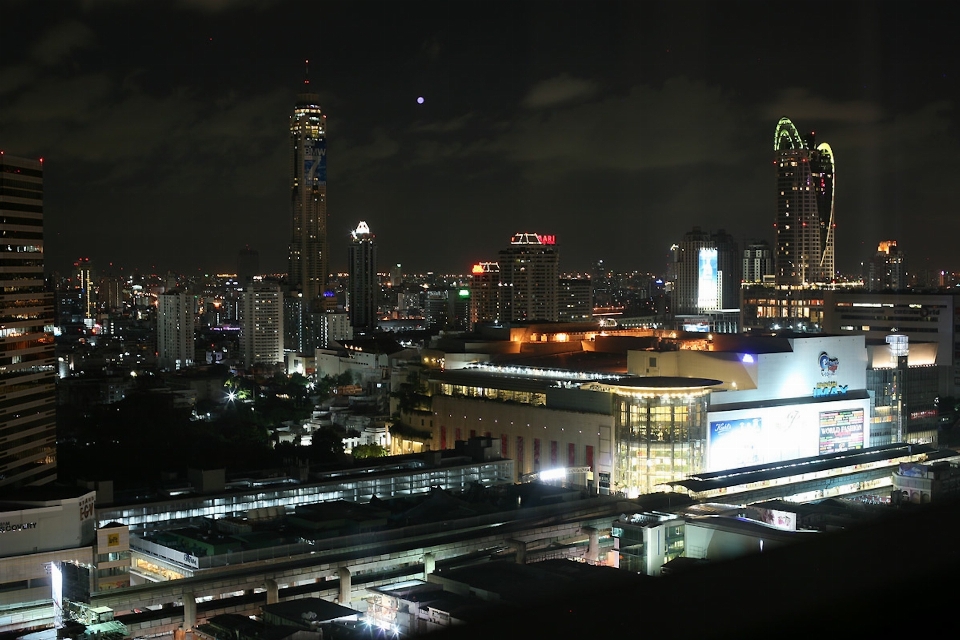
[(734, 443), (708, 289), (780, 519), (761, 435), (841, 430), (315, 162)]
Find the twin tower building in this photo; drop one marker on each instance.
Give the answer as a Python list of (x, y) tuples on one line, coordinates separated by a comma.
[(709, 267)]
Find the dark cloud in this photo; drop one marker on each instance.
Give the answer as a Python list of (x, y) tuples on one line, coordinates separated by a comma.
[(445, 126), (682, 123), (61, 41), (355, 157), (560, 90), (218, 6), (800, 105)]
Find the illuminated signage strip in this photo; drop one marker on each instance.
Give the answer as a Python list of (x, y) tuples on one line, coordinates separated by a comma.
[(552, 373)]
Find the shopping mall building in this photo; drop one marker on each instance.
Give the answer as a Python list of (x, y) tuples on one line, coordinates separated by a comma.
[(634, 424)]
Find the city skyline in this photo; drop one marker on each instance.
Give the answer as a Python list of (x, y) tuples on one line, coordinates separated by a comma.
[(165, 146)]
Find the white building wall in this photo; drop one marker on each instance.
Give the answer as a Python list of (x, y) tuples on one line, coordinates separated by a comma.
[(510, 420), (175, 329)]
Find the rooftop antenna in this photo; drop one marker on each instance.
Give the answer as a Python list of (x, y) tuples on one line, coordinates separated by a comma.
[(306, 73)]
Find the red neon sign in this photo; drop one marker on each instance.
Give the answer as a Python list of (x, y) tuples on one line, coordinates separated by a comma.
[(547, 239)]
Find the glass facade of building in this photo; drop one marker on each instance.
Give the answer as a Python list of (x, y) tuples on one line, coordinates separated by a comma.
[(492, 393), (661, 431)]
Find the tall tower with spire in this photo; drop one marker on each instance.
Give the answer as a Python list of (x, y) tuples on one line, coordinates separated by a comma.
[(805, 222), (308, 260)]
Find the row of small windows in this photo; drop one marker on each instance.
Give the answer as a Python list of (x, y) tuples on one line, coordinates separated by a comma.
[(23, 184), (19, 206), (21, 193), (23, 171)]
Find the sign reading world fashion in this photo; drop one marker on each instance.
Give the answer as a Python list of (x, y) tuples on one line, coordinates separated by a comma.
[(828, 369)]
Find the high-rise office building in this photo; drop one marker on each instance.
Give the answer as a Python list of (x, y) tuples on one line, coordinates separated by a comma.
[(333, 327), (530, 269), (485, 293), (28, 431), (248, 264), (805, 217), (364, 286), (757, 261), (575, 299), (887, 269), (261, 324), (707, 267), (88, 299), (396, 276), (175, 326), (308, 260)]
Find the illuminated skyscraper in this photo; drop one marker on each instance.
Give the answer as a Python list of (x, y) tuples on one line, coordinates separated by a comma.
[(575, 299), (757, 261), (308, 260), (27, 364), (261, 324), (708, 277), (364, 287), (805, 194), (88, 300), (485, 293), (887, 269), (530, 269)]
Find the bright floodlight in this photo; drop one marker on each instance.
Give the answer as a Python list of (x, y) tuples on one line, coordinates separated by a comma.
[(553, 474)]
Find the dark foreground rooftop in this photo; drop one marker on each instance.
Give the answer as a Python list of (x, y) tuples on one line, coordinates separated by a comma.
[(838, 585)]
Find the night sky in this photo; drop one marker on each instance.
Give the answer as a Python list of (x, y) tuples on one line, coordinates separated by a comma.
[(617, 126)]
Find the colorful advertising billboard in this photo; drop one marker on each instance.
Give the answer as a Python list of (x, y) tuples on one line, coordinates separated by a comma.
[(841, 430), (761, 435), (708, 289), (780, 519)]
